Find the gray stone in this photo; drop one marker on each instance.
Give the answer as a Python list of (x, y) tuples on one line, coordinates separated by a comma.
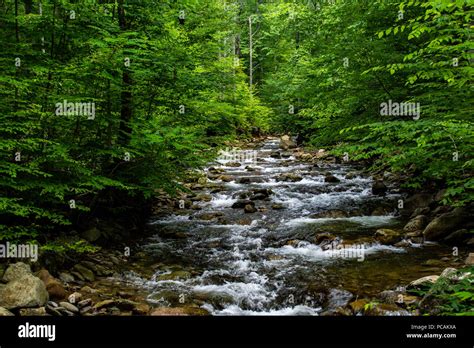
[(16, 271), (27, 291), (444, 224), (69, 306)]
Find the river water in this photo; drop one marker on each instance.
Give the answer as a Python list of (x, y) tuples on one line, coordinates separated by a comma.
[(268, 262)]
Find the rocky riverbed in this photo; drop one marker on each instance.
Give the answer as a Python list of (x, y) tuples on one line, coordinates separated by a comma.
[(267, 229)]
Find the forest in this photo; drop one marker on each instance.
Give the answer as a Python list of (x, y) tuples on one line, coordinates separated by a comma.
[(108, 108)]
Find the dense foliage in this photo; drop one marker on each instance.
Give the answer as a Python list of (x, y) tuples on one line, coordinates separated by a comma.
[(156, 88), (328, 67)]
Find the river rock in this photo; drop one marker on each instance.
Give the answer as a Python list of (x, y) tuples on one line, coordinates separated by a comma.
[(458, 237), (244, 180), (387, 236), (332, 214), (5, 312), (449, 273), (86, 273), (202, 197), (16, 271), (331, 178), (428, 280), (33, 312), (225, 178), (233, 164), (258, 197), (416, 224), (27, 291), (286, 143), (209, 216), (69, 306), (66, 277), (442, 225), (277, 206), (379, 188), (242, 203), (291, 177), (250, 209), (179, 311)]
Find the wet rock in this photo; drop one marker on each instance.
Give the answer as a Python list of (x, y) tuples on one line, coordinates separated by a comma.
[(33, 312), (179, 311), (233, 164), (385, 309), (428, 280), (331, 178), (88, 290), (202, 197), (262, 191), (291, 177), (209, 216), (27, 291), (240, 204), (379, 188), (444, 224), (381, 211), (175, 275), (470, 259), (286, 143), (225, 178), (249, 209), (416, 224), (458, 237), (275, 154), (277, 206), (69, 306), (387, 236), (286, 154), (244, 180), (258, 197), (141, 309), (359, 305), (84, 272), (397, 297), (325, 236), (338, 298), (250, 169), (5, 312), (332, 214), (16, 271), (216, 170), (351, 175)]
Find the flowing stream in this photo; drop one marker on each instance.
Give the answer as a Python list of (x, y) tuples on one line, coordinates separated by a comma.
[(270, 261)]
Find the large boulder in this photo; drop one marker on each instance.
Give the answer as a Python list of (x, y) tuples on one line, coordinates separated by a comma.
[(418, 200), (16, 271), (444, 224), (28, 291), (286, 143), (379, 188), (387, 236), (416, 224)]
